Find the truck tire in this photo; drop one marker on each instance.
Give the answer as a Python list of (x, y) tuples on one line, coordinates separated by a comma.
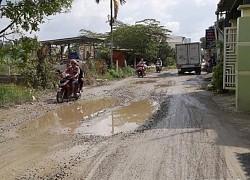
[(198, 71), (180, 72)]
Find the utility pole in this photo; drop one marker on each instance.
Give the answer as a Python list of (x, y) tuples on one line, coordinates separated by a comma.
[(111, 34)]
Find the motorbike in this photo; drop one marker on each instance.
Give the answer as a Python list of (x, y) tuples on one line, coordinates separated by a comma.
[(141, 71), (158, 67), (64, 90)]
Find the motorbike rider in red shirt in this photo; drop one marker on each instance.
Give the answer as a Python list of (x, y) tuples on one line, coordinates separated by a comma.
[(142, 65), (73, 70)]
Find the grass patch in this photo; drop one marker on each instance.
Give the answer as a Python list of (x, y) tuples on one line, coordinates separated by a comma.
[(13, 94)]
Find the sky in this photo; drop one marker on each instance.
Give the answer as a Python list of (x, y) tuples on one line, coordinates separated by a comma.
[(187, 18)]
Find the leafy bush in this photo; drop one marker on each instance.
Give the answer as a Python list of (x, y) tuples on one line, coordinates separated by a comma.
[(170, 61), (217, 79), (3, 69), (119, 73), (39, 76)]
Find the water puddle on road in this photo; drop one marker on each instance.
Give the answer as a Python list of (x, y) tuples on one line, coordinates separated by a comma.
[(78, 118), (124, 119), (68, 118), (39, 137)]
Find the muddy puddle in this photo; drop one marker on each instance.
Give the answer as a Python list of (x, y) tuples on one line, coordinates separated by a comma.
[(90, 118), (42, 135), (67, 118), (124, 119)]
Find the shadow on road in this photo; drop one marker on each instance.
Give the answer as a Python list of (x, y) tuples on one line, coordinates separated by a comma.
[(244, 160)]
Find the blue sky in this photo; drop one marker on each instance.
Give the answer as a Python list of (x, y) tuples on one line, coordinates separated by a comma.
[(188, 18)]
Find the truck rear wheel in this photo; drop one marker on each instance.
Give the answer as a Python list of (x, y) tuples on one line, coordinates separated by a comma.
[(180, 72), (198, 71)]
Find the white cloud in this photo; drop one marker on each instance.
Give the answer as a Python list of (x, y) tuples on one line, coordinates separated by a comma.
[(173, 26), (202, 3)]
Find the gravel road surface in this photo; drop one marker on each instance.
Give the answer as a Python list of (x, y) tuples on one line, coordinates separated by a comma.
[(162, 126)]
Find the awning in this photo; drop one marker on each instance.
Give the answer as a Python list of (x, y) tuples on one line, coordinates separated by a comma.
[(227, 5)]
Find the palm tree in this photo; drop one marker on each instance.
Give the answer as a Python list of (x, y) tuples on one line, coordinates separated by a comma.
[(116, 6)]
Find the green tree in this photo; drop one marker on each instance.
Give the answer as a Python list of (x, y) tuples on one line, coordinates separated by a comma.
[(116, 7), (90, 34), (28, 14), (145, 37), (167, 54)]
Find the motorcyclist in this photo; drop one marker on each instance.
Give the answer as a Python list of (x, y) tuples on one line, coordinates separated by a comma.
[(73, 71), (158, 64), (142, 65)]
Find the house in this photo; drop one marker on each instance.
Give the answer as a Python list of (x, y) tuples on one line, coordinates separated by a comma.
[(235, 29), (173, 40), (119, 57), (126, 57)]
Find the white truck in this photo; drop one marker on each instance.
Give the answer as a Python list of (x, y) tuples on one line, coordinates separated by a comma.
[(188, 57)]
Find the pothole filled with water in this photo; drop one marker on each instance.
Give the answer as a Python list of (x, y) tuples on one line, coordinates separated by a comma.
[(124, 119)]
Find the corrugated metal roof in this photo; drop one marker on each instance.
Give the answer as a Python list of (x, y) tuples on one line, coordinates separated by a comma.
[(79, 39)]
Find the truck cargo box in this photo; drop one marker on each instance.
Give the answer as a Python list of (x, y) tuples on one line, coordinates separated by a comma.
[(188, 57)]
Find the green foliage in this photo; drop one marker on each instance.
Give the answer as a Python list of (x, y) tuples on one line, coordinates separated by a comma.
[(88, 33), (21, 55), (13, 94), (14, 55), (104, 53), (99, 69), (167, 54), (39, 75), (217, 79), (170, 61), (28, 14), (91, 64), (120, 73), (145, 37), (3, 69)]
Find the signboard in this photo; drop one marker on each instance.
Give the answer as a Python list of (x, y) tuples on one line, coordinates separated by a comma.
[(210, 38)]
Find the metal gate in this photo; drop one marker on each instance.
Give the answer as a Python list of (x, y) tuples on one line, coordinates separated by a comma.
[(229, 71)]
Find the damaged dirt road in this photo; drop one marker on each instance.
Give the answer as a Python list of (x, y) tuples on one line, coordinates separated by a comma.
[(163, 126)]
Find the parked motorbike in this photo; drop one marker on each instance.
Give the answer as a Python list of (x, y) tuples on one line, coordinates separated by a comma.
[(64, 90), (141, 71), (158, 68)]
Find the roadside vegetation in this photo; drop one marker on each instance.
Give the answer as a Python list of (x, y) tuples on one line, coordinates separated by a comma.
[(34, 62), (14, 94), (217, 78)]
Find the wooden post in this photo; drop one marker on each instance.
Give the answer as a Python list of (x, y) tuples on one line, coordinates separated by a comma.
[(113, 125), (117, 65)]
